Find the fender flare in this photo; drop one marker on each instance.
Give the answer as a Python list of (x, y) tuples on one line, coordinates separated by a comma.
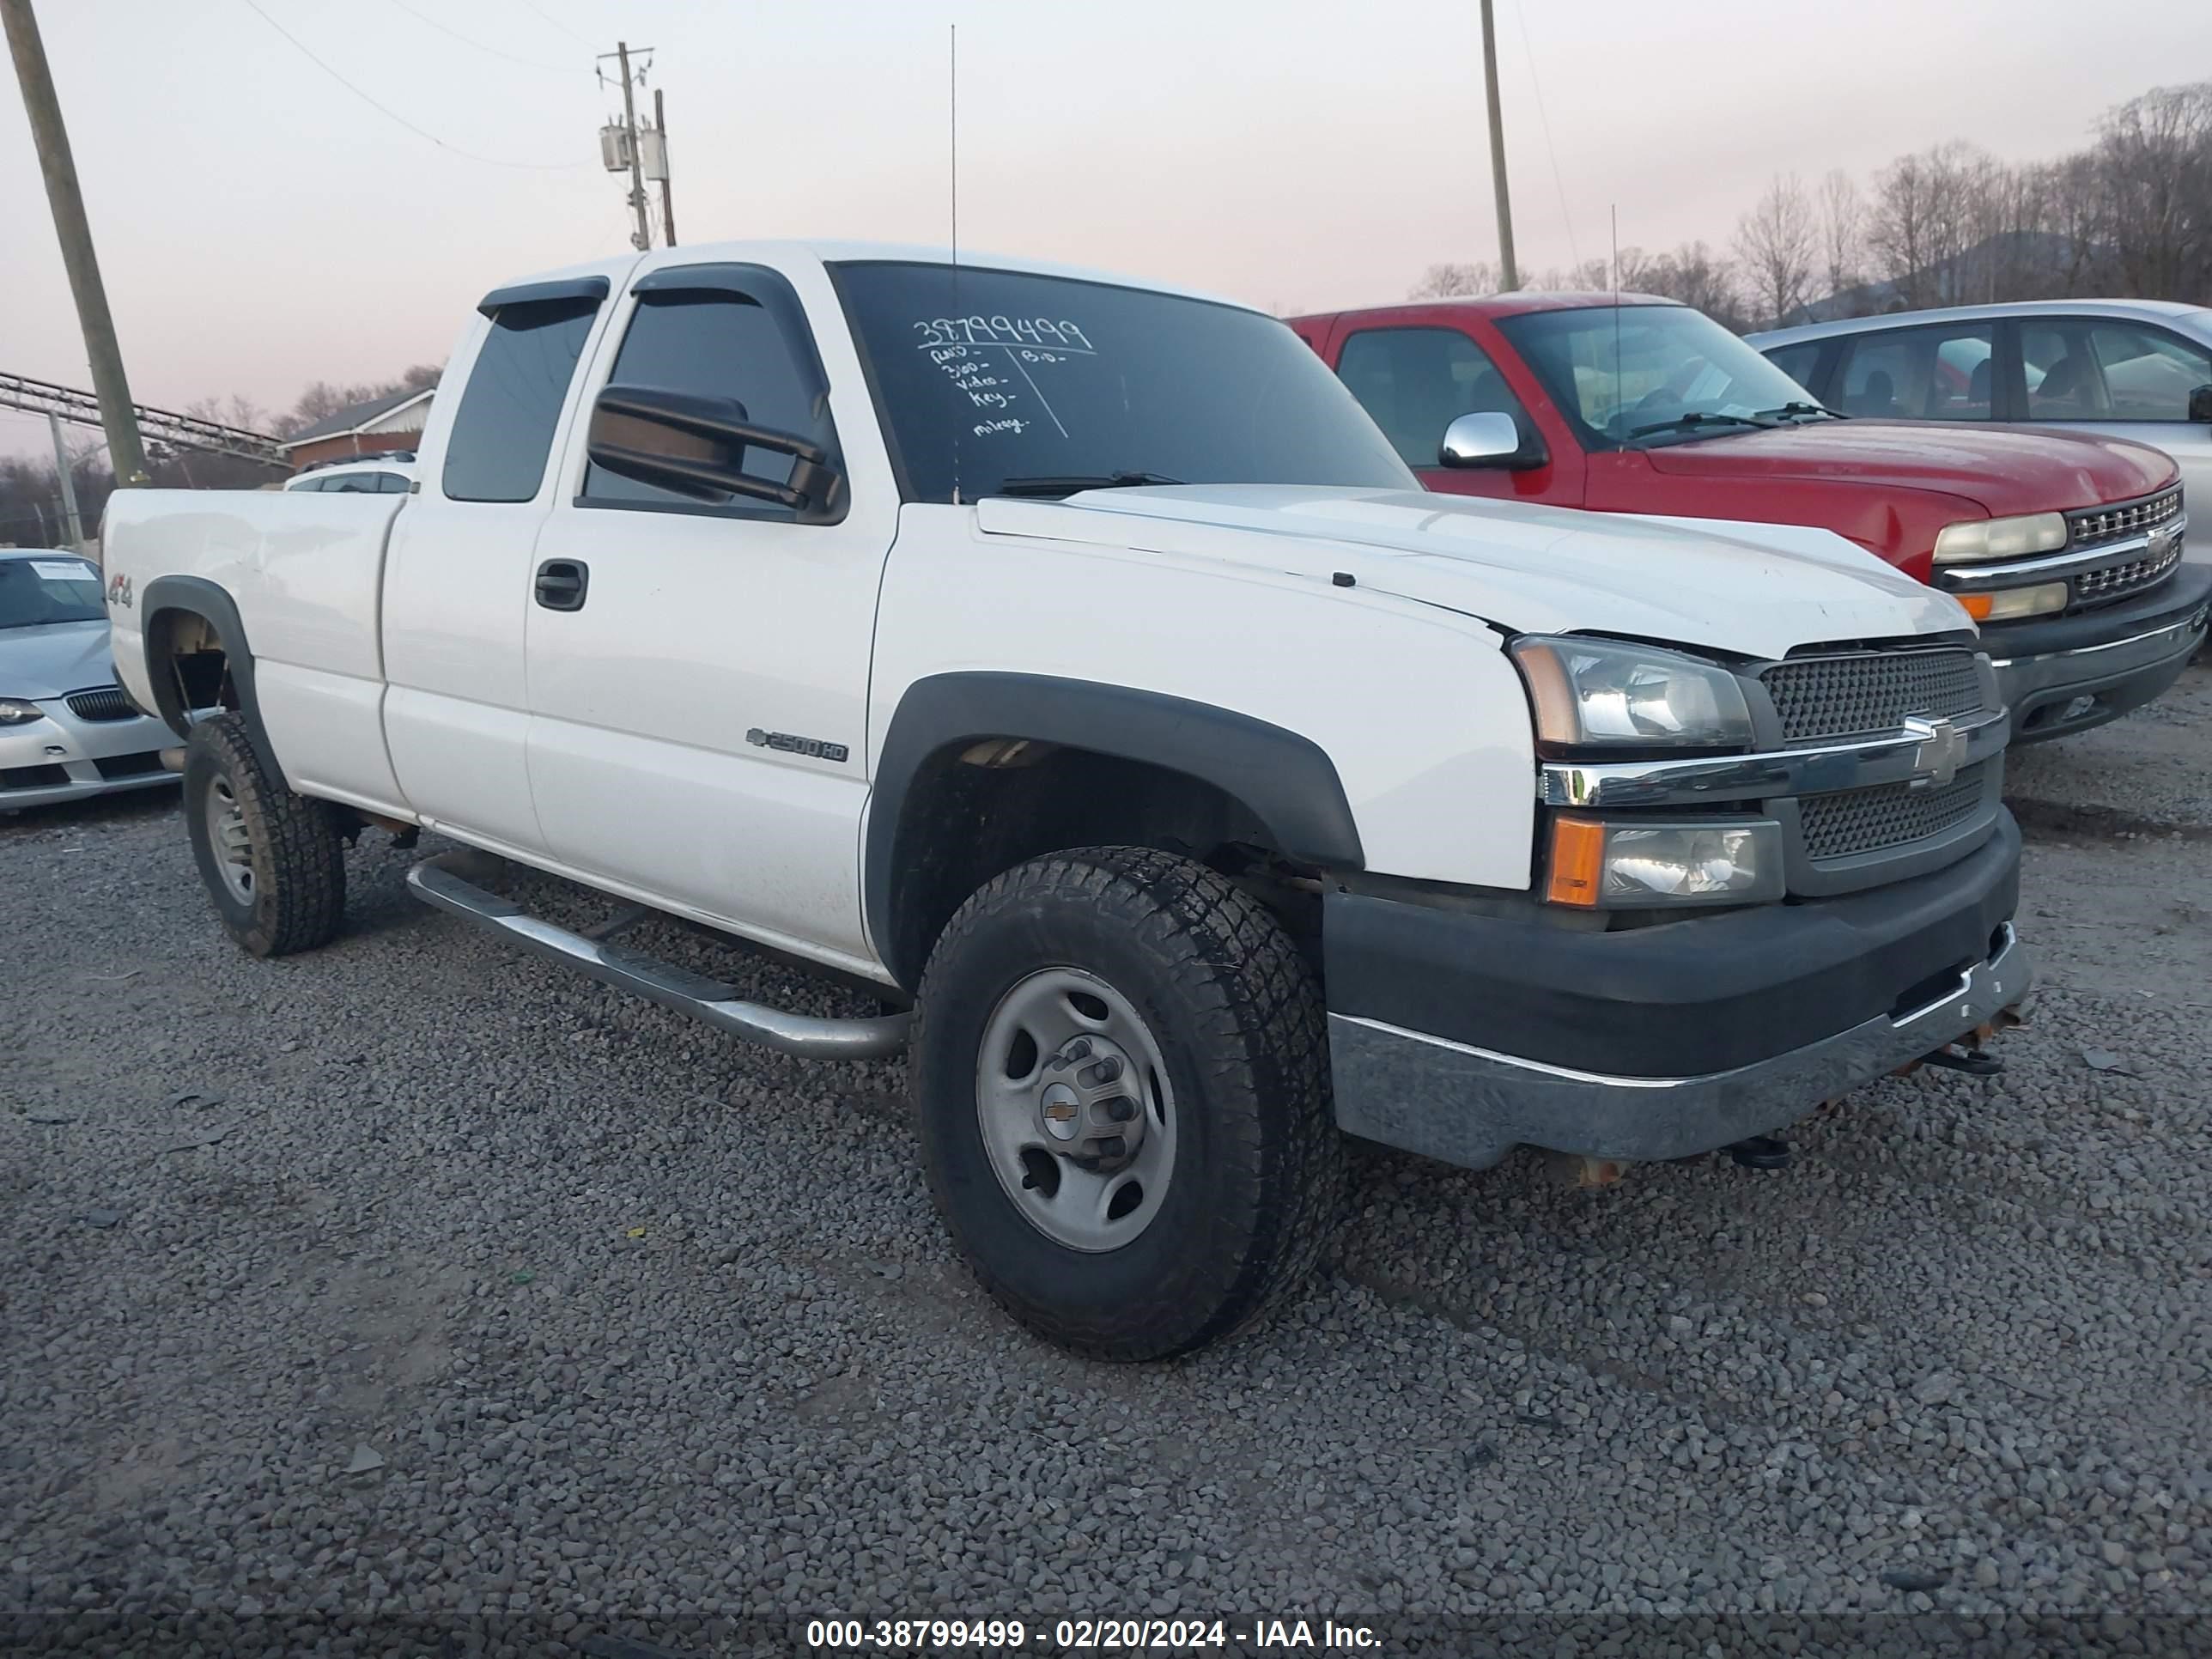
[(1288, 781), (196, 596)]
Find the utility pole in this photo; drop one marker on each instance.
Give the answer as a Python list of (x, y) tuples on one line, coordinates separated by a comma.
[(1509, 275), (73, 527), (125, 453), (641, 238), (667, 168)]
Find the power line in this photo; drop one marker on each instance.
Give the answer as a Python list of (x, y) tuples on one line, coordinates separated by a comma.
[(488, 161), (526, 63), (558, 24), (1558, 184)]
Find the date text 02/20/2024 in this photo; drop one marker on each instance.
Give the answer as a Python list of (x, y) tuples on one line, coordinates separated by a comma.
[(1084, 1635)]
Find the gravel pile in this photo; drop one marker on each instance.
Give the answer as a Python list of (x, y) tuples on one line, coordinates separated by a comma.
[(413, 1293)]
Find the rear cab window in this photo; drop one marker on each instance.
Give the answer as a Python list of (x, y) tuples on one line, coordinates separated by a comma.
[(503, 432)]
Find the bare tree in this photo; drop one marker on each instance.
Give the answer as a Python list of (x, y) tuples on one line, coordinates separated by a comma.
[(1777, 242), (1843, 217), (1450, 282), (2153, 157), (1696, 276)]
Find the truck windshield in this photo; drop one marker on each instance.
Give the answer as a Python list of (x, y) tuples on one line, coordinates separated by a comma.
[(1653, 375), (60, 589), (1034, 379)]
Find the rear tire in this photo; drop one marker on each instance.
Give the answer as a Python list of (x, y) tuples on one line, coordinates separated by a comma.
[(1211, 1016), (273, 862)]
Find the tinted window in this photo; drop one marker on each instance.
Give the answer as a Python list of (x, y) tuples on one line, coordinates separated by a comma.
[(504, 427), (2080, 370), (716, 346), (1920, 374), (1417, 382), (353, 483), (305, 485), (392, 484), (1797, 361), (1623, 373), (1017, 376)]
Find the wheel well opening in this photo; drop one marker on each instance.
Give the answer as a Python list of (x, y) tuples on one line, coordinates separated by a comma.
[(189, 662), (978, 807)]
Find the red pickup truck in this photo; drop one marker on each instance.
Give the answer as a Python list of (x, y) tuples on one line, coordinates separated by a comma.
[(2065, 547)]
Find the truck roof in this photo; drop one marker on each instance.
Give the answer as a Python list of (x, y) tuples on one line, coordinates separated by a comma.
[(1502, 305), (619, 267)]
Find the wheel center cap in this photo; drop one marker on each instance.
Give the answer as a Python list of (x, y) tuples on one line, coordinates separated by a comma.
[(1090, 1100)]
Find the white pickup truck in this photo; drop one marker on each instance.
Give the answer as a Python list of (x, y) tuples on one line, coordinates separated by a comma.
[(1073, 661)]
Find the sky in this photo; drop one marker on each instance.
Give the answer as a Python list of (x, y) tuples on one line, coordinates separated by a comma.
[(259, 225)]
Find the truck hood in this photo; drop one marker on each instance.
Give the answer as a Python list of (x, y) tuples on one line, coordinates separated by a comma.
[(2005, 470), (44, 662), (1756, 589)]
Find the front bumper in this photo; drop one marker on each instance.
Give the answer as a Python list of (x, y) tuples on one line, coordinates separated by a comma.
[(61, 757), (2073, 672), (1461, 1036)]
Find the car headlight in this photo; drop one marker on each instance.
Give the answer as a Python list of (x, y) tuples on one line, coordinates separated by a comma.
[(1979, 540), (14, 711), (1634, 864), (1599, 693)]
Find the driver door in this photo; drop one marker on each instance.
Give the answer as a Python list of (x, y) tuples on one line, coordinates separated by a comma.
[(698, 669)]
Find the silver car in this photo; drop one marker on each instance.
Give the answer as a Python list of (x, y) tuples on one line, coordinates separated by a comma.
[(2128, 368), (66, 729)]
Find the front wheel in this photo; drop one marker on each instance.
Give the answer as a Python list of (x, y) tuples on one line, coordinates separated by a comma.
[(273, 862), (1121, 1067)]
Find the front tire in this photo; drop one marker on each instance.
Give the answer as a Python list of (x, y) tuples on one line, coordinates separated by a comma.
[(273, 862), (1119, 1062)]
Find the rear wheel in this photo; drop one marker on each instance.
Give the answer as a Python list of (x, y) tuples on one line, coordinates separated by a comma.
[(1120, 1069), (273, 862)]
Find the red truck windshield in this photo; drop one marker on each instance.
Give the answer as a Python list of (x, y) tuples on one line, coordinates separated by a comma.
[(1646, 374), (1022, 377)]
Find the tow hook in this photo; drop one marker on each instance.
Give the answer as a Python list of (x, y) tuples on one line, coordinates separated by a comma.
[(1970, 1053), (1760, 1152)]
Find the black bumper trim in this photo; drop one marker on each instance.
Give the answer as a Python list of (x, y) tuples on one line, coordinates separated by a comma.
[(1688, 999)]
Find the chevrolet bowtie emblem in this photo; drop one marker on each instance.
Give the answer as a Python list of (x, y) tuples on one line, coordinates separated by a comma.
[(1943, 746)]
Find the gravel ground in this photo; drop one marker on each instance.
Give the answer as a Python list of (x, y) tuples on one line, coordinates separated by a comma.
[(415, 1293)]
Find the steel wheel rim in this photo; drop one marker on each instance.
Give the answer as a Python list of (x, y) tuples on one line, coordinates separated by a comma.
[(226, 835), (1089, 1209)]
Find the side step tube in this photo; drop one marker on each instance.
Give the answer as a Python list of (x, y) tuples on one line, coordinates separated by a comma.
[(445, 881)]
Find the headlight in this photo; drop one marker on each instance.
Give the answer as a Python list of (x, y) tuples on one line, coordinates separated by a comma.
[(1595, 693), (1977, 539), (2006, 604), (1636, 864), (14, 711)]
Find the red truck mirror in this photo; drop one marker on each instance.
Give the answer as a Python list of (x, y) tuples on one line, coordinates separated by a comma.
[(1489, 438)]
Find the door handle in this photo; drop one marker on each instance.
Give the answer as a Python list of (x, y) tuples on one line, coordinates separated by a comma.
[(561, 584)]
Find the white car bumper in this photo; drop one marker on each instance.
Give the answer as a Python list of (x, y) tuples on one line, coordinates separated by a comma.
[(75, 752)]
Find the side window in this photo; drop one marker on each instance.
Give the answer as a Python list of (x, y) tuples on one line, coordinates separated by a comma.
[(2083, 369), (304, 486), (392, 484), (354, 484), (1417, 382), (1920, 373), (714, 345), (503, 431), (1797, 361)]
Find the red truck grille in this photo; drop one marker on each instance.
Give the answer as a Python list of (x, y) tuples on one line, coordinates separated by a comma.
[(2094, 526), (2115, 580)]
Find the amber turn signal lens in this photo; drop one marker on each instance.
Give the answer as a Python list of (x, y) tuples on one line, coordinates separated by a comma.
[(1976, 606), (1578, 860)]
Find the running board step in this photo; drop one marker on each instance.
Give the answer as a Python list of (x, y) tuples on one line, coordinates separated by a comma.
[(449, 882)]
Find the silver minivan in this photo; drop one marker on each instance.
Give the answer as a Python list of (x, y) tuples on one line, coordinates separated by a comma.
[(2128, 368)]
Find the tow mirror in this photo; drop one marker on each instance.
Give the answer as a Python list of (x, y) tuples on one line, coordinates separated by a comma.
[(2200, 404), (1491, 438), (695, 446)]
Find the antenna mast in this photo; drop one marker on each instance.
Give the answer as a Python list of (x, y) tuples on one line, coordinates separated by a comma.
[(953, 66)]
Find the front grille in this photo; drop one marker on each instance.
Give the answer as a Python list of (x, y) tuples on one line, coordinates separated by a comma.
[(2115, 580), (101, 702), (2093, 526), (1858, 821), (31, 777), (130, 766), (1842, 696)]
